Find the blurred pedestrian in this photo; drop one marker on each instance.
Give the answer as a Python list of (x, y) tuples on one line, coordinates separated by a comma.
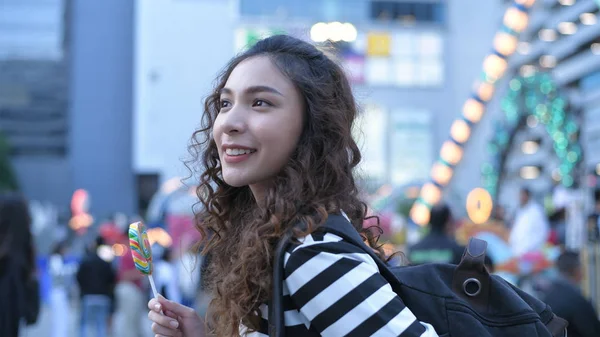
[(566, 300), (439, 245), (96, 279), (166, 277), (188, 266), (59, 293), (531, 229), (19, 288)]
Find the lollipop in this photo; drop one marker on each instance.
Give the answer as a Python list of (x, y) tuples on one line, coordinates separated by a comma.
[(141, 251)]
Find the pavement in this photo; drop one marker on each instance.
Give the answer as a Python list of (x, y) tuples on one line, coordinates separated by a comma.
[(43, 328)]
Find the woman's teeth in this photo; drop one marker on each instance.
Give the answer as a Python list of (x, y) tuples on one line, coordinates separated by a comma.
[(238, 152)]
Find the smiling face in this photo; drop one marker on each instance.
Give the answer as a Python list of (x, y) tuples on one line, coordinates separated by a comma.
[(258, 125)]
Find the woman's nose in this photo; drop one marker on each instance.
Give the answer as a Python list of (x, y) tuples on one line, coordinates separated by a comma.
[(235, 120)]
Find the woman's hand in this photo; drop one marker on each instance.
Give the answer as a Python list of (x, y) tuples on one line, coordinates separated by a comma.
[(177, 320)]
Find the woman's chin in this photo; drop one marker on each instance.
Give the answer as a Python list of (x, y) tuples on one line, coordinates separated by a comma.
[(235, 181)]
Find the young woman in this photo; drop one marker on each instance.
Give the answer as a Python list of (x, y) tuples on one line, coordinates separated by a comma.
[(276, 150)]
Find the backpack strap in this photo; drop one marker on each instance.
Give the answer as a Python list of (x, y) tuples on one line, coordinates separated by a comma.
[(338, 225), (557, 326), (276, 318), (471, 279)]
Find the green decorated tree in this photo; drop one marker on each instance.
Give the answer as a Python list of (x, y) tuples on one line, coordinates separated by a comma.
[(8, 180)]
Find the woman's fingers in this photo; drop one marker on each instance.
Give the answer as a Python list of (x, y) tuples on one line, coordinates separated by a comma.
[(174, 307), (162, 331), (163, 320), (171, 314), (154, 305)]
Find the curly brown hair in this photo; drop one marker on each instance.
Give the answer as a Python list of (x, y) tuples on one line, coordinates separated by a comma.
[(317, 180)]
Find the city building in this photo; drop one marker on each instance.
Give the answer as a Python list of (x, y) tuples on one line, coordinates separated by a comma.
[(66, 99), (412, 64), (136, 85)]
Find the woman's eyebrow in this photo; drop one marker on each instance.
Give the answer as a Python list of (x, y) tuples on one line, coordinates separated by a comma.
[(253, 90)]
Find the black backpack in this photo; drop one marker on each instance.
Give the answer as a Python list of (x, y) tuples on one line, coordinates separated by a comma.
[(457, 300)]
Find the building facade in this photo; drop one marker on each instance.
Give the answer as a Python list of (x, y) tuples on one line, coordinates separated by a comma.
[(135, 88), (65, 99), (411, 64)]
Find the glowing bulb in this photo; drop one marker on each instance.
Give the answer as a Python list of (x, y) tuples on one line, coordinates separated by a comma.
[(527, 70), (494, 66), (420, 214), (349, 32), (441, 173), (460, 131), (529, 172), (548, 61), (160, 236), (479, 205), (567, 2), (319, 32), (431, 193), (547, 35), (119, 249), (530, 147), (516, 19), (336, 31), (567, 28), (484, 91), (451, 152), (473, 110), (588, 19), (505, 43)]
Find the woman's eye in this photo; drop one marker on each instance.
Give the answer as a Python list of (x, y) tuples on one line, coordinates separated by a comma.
[(261, 103), (224, 104)]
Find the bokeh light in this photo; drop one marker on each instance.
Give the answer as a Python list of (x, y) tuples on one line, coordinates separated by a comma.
[(473, 110), (479, 205), (451, 152), (420, 214), (505, 43), (441, 173), (460, 131), (431, 194), (516, 19), (494, 66)]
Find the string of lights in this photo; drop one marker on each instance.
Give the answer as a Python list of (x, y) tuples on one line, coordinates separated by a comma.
[(505, 42), (536, 99)]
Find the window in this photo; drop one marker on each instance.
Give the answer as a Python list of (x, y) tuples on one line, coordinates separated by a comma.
[(408, 11), (319, 10), (416, 60), (378, 70)]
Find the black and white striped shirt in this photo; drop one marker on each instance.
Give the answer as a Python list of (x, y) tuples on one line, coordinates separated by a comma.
[(333, 288)]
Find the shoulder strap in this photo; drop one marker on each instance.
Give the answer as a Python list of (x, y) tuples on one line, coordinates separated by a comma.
[(335, 224), (340, 226)]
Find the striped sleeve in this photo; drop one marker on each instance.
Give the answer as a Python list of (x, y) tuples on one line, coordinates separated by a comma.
[(339, 289)]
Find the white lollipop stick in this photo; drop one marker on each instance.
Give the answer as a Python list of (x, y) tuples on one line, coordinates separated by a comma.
[(153, 286)]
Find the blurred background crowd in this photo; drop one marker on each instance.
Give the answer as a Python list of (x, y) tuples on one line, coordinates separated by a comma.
[(478, 118)]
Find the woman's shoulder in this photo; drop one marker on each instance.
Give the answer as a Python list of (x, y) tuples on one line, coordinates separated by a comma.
[(323, 247)]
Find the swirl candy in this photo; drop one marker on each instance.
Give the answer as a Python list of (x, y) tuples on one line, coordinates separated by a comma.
[(140, 248), (141, 251)]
